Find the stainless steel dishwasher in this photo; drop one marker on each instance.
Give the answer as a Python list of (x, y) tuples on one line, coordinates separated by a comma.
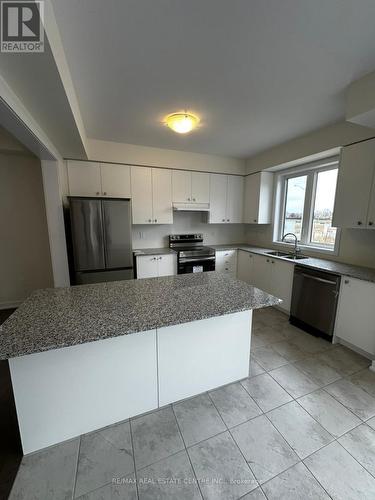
[(314, 301)]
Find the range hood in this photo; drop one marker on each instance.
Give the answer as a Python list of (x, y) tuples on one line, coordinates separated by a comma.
[(191, 207)]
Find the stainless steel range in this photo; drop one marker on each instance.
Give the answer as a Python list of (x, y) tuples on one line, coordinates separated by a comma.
[(192, 256)]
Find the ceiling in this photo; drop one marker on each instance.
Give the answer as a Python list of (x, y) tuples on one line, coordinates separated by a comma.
[(257, 72)]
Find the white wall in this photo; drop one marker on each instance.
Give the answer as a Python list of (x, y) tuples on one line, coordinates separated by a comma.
[(25, 262), (157, 236), (157, 157)]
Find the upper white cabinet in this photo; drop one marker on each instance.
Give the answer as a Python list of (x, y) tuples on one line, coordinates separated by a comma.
[(226, 199), (115, 180), (355, 317), (98, 179), (190, 187), (84, 178), (355, 191), (151, 195), (258, 198), (152, 266)]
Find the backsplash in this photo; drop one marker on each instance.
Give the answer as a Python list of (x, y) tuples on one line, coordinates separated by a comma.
[(156, 236)]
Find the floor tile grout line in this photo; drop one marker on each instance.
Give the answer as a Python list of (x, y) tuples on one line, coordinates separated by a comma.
[(236, 444), (334, 397), (363, 466), (187, 453), (133, 450), (76, 468)]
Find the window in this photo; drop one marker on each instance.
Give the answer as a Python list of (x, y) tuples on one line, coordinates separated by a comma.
[(305, 205)]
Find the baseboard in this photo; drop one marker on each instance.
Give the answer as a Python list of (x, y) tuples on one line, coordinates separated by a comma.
[(10, 305)]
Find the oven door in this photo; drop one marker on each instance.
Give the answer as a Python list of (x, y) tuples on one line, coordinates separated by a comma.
[(196, 265)]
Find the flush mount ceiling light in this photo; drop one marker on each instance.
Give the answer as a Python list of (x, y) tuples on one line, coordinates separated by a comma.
[(182, 123)]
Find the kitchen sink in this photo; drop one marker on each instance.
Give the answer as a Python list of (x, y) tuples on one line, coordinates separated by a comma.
[(278, 254), (286, 255)]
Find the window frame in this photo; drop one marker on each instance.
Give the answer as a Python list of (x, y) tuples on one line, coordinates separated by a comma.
[(311, 170)]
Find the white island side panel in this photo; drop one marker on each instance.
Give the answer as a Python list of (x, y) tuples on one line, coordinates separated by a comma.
[(201, 355), (66, 392)]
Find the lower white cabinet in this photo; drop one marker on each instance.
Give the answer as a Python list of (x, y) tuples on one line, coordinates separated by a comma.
[(271, 275), (245, 261), (226, 262), (152, 266), (355, 319)]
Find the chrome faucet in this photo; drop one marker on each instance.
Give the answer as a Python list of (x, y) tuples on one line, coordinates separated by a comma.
[(296, 249)]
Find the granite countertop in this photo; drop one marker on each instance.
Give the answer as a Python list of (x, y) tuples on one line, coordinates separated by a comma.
[(329, 266), (154, 251), (60, 317)]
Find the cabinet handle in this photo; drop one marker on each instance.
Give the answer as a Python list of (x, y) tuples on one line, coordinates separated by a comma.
[(346, 282), (273, 262), (255, 220), (105, 194), (267, 260), (156, 220), (188, 199), (149, 220), (228, 220), (359, 223), (97, 193), (223, 220), (370, 223)]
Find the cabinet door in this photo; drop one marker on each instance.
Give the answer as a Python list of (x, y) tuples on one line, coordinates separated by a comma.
[(115, 180), (245, 266), (262, 269), (181, 186), (162, 196), (355, 320), (218, 198), (235, 199), (354, 185), (251, 204), (141, 185), (147, 266), (282, 282), (167, 265), (200, 187), (84, 178)]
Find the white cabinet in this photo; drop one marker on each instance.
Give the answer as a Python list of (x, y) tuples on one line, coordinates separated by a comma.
[(84, 178), (115, 180), (281, 285), (226, 262), (355, 191), (218, 198), (245, 262), (275, 277), (151, 195), (190, 187), (152, 266), (226, 199), (355, 319), (98, 179), (258, 198), (235, 191)]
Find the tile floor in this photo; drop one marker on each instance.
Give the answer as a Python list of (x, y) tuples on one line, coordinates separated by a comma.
[(302, 426)]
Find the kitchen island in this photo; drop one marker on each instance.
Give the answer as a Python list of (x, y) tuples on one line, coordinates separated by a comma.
[(88, 356)]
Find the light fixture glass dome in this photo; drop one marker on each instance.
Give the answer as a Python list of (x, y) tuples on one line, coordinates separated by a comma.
[(182, 123)]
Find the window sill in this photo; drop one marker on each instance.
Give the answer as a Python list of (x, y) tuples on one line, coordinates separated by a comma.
[(307, 248)]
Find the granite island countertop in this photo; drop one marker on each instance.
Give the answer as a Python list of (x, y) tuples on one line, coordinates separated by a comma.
[(60, 317), (154, 251)]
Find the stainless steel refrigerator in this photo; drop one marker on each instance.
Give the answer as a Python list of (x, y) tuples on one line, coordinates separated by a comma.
[(100, 240)]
